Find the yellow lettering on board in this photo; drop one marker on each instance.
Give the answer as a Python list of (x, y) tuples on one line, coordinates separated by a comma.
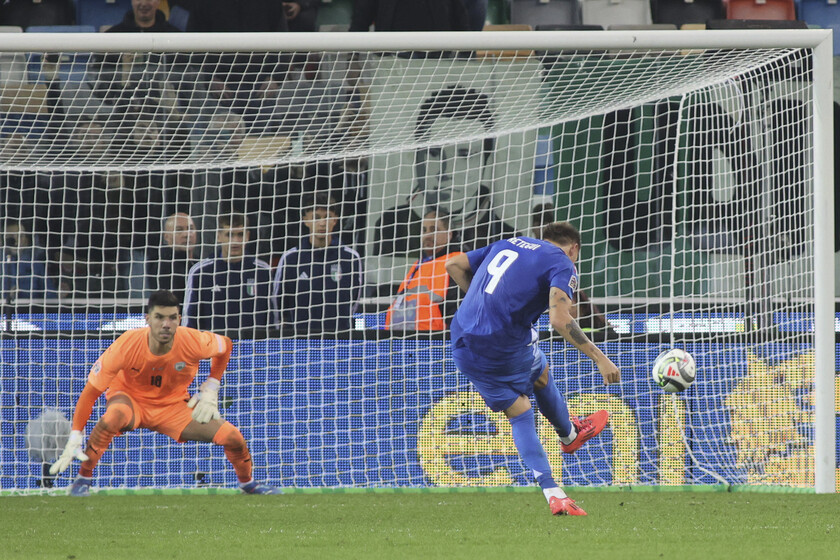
[(669, 438), (625, 432), (435, 446)]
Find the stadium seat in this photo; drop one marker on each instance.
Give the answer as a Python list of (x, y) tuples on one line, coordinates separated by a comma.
[(12, 65), (535, 12), (29, 126), (506, 54), (616, 12), (61, 29), (71, 68), (508, 27), (179, 17), (681, 12), (23, 99), (101, 12), (822, 13), (649, 27), (261, 147), (755, 24), (334, 28), (559, 27), (22, 132), (25, 13), (761, 9)]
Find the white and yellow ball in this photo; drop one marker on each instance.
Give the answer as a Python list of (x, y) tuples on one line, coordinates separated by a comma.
[(674, 370)]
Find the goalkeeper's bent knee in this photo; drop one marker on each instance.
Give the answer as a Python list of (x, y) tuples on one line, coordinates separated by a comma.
[(229, 435)]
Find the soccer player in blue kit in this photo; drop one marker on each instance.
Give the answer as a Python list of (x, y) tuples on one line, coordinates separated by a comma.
[(494, 343)]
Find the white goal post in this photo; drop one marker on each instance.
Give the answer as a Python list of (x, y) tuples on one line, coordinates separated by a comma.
[(698, 166)]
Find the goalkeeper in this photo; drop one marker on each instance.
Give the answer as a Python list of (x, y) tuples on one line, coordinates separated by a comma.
[(146, 373)]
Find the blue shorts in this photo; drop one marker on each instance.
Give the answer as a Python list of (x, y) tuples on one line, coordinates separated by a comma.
[(500, 390)]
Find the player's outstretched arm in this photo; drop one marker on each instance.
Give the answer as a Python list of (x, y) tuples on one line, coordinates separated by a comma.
[(73, 448), (459, 270), (560, 316)]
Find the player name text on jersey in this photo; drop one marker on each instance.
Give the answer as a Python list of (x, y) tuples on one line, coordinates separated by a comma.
[(524, 244)]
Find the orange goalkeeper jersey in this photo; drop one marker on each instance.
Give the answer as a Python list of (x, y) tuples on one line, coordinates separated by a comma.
[(129, 366)]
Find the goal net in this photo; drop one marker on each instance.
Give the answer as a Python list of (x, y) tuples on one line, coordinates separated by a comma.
[(298, 193)]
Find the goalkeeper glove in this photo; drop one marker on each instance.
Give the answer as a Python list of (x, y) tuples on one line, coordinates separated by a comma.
[(72, 450), (205, 403)]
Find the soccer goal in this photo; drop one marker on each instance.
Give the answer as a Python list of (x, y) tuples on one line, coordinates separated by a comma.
[(698, 167)]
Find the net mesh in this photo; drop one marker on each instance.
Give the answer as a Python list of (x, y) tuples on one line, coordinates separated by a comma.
[(285, 199)]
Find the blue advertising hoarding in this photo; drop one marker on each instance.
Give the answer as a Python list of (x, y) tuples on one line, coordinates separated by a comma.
[(394, 412)]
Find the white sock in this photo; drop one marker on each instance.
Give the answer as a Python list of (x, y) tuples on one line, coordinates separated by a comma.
[(246, 483), (569, 438), (555, 492)]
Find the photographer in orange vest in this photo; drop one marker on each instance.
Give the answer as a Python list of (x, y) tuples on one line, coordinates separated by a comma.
[(427, 297)]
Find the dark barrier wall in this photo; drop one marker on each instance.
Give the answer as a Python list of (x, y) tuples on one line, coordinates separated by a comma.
[(396, 413)]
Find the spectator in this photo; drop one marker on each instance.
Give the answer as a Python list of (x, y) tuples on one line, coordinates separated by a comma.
[(89, 257), (237, 78), (240, 16), (24, 267), (427, 298), (318, 284), (176, 256), (301, 15), (397, 15), (144, 16), (88, 273), (142, 81), (229, 293)]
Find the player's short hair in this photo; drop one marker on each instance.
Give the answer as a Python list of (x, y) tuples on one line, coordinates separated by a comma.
[(169, 221), (163, 298), (561, 233), (313, 201), (233, 220), (441, 215)]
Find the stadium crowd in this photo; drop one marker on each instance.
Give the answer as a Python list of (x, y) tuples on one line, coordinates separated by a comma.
[(104, 235), (100, 235)]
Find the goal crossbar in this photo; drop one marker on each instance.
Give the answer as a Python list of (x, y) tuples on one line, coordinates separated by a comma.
[(413, 41)]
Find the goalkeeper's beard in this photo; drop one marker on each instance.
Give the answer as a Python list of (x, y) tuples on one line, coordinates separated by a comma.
[(165, 335)]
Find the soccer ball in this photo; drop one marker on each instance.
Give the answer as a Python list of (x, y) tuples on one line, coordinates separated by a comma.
[(674, 370)]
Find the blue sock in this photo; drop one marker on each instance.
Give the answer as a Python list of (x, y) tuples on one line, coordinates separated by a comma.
[(553, 406), (530, 449)]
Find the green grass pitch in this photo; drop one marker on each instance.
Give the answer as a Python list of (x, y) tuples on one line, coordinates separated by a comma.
[(437, 524)]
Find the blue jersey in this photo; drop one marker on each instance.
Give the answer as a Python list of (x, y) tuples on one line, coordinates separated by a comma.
[(508, 293), (227, 296)]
